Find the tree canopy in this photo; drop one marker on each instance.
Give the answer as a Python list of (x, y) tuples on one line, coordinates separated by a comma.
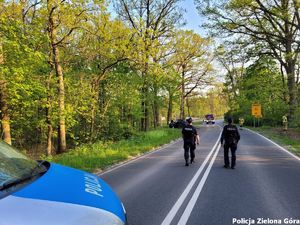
[(71, 73)]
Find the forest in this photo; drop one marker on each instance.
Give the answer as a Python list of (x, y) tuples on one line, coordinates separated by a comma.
[(78, 71)]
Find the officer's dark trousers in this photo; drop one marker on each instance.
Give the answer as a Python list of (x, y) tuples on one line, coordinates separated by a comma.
[(232, 148), (189, 148)]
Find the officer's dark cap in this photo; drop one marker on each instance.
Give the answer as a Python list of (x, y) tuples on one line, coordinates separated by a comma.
[(229, 120), (189, 119)]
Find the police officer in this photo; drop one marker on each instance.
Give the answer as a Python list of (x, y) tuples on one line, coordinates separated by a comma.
[(231, 137), (190, 138)]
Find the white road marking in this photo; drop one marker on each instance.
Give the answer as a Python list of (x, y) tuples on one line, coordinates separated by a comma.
[(188, 210), (172, 213), (280, 147), (137, 158), (121, 164)]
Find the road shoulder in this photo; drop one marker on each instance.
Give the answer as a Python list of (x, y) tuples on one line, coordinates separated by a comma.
[(280, 143)]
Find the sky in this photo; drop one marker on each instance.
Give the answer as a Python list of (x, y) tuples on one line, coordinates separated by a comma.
[(191, 16)]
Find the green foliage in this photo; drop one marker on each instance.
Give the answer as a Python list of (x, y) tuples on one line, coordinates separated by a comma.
[(23, 68), (90, 157), (262, 84), (109, 69), (260, 28)]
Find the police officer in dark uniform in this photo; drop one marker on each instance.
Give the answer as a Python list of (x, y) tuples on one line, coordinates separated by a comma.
[(190, 138), (231, 137)]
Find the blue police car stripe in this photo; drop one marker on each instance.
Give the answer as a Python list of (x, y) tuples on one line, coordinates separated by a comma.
[(64, 184)]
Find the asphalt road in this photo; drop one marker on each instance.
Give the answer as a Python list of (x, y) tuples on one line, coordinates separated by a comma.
[(157, 189)]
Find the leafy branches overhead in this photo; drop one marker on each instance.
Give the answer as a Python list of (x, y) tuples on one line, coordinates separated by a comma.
[(153, 18), (271, 24), (153, 23), (71, 73), (192, 59)]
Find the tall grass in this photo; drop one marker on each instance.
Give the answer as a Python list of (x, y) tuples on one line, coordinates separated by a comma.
[(99, 155)]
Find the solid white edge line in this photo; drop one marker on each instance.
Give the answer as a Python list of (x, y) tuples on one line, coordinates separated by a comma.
[(172, 213), (121, 164), (137, 158), (188, 210), (280, 147)]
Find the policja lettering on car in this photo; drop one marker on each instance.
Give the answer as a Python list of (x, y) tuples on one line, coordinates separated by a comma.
[(92, 185)]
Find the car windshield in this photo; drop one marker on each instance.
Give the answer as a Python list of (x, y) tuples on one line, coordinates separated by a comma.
[(14, 166)]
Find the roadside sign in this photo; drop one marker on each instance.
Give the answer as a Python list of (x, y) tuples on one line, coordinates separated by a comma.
[(256, 110)]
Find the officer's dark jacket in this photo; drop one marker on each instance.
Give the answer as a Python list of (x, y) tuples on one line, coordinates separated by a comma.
[(230, 134), (189, 133)]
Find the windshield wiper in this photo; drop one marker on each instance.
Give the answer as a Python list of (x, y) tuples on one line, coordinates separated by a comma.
[(39, 168), (11, 183), (34, 172)]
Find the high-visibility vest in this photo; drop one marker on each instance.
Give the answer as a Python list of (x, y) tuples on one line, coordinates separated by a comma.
[(284, 119)]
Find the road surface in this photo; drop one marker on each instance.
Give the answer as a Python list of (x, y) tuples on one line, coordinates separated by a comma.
[(158, 189)]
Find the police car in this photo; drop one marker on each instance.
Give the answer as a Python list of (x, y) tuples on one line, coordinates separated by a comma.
[(35, 193)]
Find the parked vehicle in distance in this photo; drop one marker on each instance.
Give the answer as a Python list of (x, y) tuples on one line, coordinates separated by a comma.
[(179, 123), (40, 192), (209, 119)]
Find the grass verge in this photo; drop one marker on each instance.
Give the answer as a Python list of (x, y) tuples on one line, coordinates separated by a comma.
[(290, 139), (99, 155)]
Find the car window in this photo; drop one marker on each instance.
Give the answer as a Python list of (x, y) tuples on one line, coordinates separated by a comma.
[(14, 165)]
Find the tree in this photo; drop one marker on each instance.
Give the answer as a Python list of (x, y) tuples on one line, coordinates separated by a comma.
[(230, 57), (271, 24), (152, 22), (192, 60), (21, 66), (109, 47), (212, 101), (5, 118), (64, 18), (262, 83)]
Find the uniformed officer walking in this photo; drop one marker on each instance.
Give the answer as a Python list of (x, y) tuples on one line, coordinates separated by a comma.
[(190, 139), (231, 137)]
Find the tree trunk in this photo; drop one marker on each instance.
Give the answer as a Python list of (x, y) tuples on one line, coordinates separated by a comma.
[(188, 106), (49, 125), (62, 145), (290, 69), (182, 96), (5, 118), (95, 101), (145, 101), (170, 107), (211, 104), (155, 107), (92, 128), (291, 59), (49, 137), (145, 109), (284, 92), (49, 108), (155, 114)]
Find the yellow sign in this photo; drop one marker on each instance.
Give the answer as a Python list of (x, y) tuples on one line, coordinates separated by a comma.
[(256, 110)]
